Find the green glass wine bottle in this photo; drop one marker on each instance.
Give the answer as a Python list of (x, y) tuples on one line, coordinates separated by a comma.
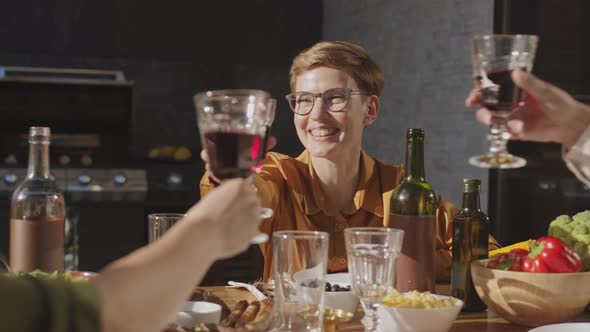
[(413, 209), (470, 242)]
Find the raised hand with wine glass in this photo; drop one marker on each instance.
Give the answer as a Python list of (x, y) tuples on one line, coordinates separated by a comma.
[(233, 126)]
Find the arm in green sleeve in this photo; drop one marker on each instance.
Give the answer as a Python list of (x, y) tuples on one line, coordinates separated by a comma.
[(29, 304)]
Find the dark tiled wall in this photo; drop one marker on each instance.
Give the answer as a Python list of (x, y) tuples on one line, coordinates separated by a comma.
[(422, 47)]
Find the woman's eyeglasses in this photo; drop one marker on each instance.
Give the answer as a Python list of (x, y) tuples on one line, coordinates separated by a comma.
[(335, 100)]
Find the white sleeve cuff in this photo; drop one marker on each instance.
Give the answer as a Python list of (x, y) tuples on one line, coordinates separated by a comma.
[(577, 158)]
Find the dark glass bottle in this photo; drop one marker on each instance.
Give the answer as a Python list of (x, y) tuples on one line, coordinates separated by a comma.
[(470, 242), (37, 213), (413, 209)]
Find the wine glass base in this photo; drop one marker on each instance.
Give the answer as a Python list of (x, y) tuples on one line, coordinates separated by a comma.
[(262, 237), (502, 161), (259, 238), (266, 213)]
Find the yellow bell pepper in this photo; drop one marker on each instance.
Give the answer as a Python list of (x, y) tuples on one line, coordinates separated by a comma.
[(507, 249)]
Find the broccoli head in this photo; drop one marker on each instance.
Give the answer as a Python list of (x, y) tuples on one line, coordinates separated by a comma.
[(575, 232)]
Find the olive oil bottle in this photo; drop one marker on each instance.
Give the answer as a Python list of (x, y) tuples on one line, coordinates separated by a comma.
[(470, 242)]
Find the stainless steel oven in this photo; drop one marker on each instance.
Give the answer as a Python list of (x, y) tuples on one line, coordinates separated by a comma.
[(89, 112)]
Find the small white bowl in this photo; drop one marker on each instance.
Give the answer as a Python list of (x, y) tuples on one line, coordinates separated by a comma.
[(193, 313), (347, 301), (419, 319)]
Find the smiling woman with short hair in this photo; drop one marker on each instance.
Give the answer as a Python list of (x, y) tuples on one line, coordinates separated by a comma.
[(334, 184)]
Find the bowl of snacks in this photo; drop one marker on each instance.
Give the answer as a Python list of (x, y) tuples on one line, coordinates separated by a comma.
[(339, 295), (540, 286), (415, 311), (196, 316)]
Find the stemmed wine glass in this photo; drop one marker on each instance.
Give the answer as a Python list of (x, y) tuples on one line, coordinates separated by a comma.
[(494, 58), (372, 256), (232, 128)]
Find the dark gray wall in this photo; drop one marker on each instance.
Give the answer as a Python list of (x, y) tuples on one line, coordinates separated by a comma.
[(422, 47), (170, 50)]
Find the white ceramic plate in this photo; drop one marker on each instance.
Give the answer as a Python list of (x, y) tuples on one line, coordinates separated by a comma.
[(565, 327)]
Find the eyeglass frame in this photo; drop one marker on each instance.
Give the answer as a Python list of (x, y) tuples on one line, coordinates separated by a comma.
[(349, 91)]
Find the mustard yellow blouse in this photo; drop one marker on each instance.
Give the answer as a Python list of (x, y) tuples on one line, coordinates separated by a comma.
[(288, 185)]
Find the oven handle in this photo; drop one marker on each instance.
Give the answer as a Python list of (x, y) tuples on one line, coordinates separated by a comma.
[(63, 75)]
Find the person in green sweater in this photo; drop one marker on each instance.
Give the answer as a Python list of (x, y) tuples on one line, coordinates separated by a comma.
[(142, 290)]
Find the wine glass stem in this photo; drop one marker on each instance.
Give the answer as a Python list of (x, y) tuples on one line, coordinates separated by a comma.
[(371, 320), (498, 135)]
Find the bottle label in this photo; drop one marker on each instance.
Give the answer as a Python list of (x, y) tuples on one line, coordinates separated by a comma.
[(37, 244), (416, 264)]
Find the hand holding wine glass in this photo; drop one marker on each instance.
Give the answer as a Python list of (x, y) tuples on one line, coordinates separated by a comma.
[(495, 57), (229, 215), (550, 114), (232, 125)]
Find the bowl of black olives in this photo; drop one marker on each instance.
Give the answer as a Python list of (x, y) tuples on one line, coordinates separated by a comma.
[(339, 294)]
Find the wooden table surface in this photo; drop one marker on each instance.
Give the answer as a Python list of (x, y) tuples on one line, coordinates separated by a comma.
[(466, 322)]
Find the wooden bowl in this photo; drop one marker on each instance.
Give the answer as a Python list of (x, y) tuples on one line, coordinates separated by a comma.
[(531, 299)]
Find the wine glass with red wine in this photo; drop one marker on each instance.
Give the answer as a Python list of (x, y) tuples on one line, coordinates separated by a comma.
[(494, 58), (232, 125)]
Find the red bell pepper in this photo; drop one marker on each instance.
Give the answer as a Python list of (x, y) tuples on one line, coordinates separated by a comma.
[(518, 254), (508, 261), (550, 255)]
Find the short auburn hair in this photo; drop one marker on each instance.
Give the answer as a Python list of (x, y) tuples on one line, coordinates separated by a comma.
[(341, 55)]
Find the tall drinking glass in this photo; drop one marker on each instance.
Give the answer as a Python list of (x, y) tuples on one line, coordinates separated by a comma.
[(494, 58), (231, 125), (372, 256), (160, 223), (300, 261)]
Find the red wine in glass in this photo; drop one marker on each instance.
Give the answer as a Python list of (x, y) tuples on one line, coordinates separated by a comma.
[(499, 93), (233, 154)]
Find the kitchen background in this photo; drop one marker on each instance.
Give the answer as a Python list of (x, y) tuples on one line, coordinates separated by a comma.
[(171, 50)]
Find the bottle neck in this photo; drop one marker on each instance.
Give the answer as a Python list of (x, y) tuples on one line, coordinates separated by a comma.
[(471, 201), (38, 160), (415, 159)]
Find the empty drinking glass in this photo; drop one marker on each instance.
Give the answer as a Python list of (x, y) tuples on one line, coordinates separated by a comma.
[(159, 223), (300, 261), (372, 255)]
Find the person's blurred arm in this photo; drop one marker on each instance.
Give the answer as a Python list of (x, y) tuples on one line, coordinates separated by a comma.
[(141, 291)]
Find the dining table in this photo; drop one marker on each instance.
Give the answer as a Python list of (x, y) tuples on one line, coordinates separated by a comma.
[(486, 321)]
